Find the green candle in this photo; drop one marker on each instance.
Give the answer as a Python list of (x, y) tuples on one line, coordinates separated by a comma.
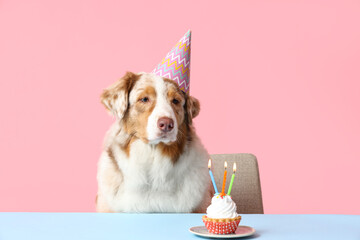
[(232, 179)]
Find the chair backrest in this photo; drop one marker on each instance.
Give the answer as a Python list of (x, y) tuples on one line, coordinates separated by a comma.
[(246, 190)]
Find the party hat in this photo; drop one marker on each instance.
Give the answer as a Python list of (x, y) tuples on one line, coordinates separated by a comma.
[(176, 64)]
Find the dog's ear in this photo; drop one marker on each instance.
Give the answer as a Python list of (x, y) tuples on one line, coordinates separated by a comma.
[(116, 97), (192, 107)]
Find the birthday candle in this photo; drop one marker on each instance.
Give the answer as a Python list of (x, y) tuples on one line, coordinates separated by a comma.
[(224, 180), (232, 179), (212, 177)]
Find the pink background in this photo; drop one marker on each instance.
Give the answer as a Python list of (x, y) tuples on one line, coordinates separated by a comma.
[(279, 79)]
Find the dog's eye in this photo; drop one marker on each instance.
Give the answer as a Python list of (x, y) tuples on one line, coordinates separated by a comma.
[(175, 101), (144, 100)]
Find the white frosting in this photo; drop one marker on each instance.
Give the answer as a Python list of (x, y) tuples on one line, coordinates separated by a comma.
[(221, 207)]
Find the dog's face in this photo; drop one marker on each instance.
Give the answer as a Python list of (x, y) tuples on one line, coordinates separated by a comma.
[(151, 107)]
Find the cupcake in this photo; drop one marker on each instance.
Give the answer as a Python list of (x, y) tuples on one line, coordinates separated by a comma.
[(221, 216)]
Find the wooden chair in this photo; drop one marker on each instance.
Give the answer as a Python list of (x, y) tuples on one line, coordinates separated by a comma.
[(246, 190)]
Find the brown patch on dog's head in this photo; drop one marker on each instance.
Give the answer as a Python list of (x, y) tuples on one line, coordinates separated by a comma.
[(177, 99), (116, 97), (136, 118), (191, 106)]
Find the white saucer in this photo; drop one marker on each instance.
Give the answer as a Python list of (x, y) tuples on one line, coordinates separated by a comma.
[(241, 231)]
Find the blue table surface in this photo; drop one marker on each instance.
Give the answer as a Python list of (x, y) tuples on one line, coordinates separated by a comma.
[(169, 226)]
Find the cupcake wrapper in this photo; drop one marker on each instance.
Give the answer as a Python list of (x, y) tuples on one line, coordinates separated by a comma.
[(221, 226)]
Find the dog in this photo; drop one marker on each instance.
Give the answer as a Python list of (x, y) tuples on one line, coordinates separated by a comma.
[(152, 159)]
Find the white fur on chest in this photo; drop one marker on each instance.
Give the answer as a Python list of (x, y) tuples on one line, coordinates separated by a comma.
[(152, 183)]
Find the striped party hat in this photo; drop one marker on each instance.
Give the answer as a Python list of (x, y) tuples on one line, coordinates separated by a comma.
[(176, 64)]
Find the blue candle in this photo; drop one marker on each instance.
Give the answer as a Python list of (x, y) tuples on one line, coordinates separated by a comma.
[(212, 177)]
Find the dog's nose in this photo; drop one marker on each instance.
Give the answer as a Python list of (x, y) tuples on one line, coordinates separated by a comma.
[(165, 124)]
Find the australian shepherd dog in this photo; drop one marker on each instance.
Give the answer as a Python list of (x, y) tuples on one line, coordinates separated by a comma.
[(152, 159)]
